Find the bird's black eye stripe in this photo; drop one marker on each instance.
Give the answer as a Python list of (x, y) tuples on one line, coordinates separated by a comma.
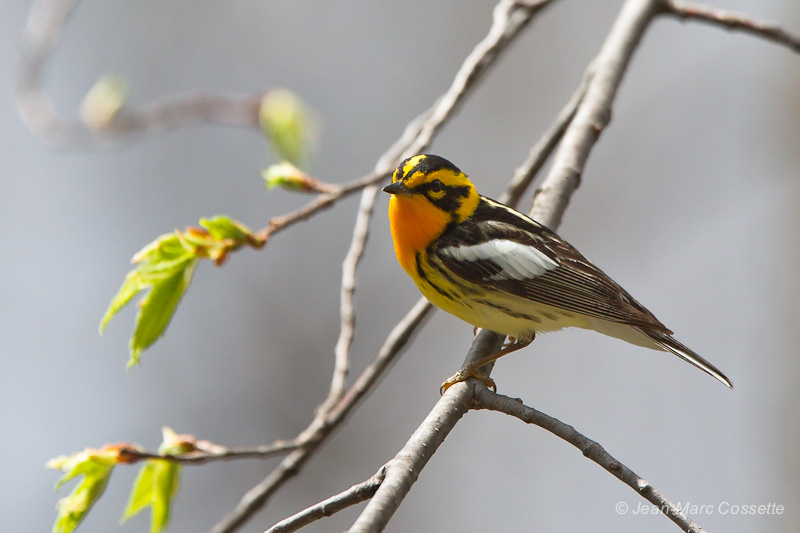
[(451, 201)]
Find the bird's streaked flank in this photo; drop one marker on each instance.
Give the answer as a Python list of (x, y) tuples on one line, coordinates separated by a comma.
[(498, 269)]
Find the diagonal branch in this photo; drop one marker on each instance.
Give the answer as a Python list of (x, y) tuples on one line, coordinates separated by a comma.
[(346, 310), (322, 427), (732, 21), (485, 399), (541, 151), (594, 112), (402, 471), (355, 494)]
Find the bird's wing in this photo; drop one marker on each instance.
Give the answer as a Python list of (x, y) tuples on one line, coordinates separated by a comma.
[(501, 248)]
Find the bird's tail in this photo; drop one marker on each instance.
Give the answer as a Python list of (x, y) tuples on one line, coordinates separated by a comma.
[(668, 344)]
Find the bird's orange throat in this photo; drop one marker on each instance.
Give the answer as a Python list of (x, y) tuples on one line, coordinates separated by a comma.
[(415, 225)]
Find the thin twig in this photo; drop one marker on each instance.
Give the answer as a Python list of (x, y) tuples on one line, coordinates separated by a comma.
[(486, 399), (732, 21), (43, 33), (215, 453), (357, 244), (355, 252), (348, 286), (508, 19), (355, 494)]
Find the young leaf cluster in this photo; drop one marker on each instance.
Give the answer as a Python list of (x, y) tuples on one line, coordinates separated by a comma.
[(164, 270), (156, 483)]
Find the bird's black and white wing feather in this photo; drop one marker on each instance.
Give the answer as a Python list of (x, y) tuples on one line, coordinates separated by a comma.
[(500, 248), (503, 249)]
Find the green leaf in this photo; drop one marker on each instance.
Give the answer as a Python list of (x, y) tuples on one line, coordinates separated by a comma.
[(157, 483), (156, 309), (95, 466), (166, 484), (165, 269), (289, 125), (156, 486), (142, 491)]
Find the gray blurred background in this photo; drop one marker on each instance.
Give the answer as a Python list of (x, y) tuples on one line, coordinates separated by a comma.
[(689, 201)]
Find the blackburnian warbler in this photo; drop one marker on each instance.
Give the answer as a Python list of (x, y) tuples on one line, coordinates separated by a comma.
[(498, 269)]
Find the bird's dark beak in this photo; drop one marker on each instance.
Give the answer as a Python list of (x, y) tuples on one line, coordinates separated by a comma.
[(398, 187)]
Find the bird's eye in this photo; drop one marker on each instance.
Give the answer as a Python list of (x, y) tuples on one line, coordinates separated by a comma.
[(436, 186)]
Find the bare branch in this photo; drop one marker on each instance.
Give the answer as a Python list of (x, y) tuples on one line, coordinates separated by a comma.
[(508, 19), (355, 494), (732, 21), (594, 112), (42, 34), (540, 152), (403, 470), (321, 428), (213, 452), (346, 311), (486, 399)]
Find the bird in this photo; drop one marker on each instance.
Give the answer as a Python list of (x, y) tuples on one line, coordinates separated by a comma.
[(498, 269)]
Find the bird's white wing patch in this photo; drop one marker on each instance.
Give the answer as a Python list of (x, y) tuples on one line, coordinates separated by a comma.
[(517, 261)]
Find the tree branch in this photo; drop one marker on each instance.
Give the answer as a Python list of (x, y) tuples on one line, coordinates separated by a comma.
[(404, 469), (594, 112), (355, 494), (348, 287), (541, 151), (732, 21), (208, 452), (483, 398), (42, 35), (321, 427)]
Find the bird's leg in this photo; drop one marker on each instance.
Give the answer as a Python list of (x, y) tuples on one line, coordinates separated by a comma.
[(472, 370)]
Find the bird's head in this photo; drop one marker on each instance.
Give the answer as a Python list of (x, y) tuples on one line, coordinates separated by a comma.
[(433, 188), (429, 195)]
